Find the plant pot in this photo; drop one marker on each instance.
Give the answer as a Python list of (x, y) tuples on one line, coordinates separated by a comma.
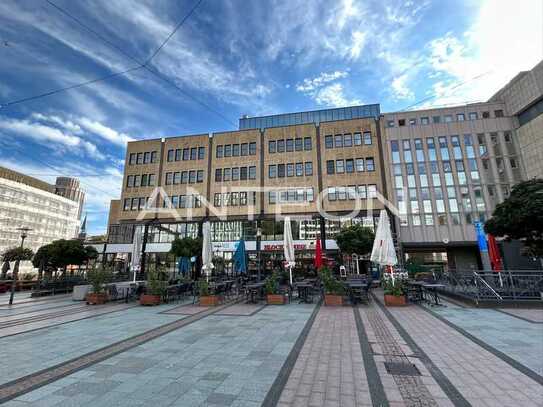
[(209, 300), (96, 299), (275, 299), (395, 301), (333, 300), (148, 299)]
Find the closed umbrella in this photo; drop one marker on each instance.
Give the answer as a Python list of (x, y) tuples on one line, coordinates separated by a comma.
[(240, 258), (207, 251), (495, 258), (288, 247), (383, 251), (318, 254), (135, 263)]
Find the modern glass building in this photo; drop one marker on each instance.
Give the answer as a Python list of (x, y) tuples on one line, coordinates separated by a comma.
[(314, 116)]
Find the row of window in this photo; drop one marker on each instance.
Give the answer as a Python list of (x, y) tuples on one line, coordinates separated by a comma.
[(234, 199), (347, 140), (290, 170), (235, 150), (134, 204), (186, 154), (235, 174), (349, 165), (184, 201), (351, 192), (144, 180), (420, 154), (291, 195), (148, 157), (184, 177), (448, 118), (289, 145)]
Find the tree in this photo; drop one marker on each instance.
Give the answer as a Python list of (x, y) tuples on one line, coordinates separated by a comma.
[(62, 253), (17, 254), (520, 216), (186, 247), (355, 239), (42, 260)]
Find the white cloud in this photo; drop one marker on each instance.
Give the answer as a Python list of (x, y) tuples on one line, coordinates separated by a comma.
[(333, 96), (38, 132), (400, 88), (357, 45), (66, 124), (105, 132), (310, 84)]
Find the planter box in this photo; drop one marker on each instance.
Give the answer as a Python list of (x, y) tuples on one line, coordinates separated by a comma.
[(210, 300), (96, 299), (394, 301), (333, 300), (148, 299), (275, 299)]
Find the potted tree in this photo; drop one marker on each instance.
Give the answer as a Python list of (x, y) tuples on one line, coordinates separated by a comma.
[(97, 277), (394, 292), (186, 247), (333, 289), (154, 290), (273, 296), (206, 298)]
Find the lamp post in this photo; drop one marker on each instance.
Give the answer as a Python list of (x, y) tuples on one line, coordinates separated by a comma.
[(24, 233), (258, 240)]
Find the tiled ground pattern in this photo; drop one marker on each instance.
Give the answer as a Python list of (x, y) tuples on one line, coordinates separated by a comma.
[(532, 315)]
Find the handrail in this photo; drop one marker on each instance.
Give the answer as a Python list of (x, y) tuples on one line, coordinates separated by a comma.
[(488, 286)]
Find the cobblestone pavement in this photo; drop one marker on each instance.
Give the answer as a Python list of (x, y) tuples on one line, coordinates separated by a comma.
[(217, 360), (330, 369), (518, 338), (481, 377), (528, 315)]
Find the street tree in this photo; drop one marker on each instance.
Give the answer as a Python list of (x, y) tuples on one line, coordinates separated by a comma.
[(17, 254)]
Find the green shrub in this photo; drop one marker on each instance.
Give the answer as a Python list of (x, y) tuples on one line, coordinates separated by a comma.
[(395, 288), (98, 277), (203, 288), (155, 283), (271, 285), (331, 285)]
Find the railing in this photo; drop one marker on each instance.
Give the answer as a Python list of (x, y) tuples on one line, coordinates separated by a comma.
[(481, 286)]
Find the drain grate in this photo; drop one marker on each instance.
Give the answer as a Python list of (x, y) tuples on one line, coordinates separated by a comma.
[(402, 369)]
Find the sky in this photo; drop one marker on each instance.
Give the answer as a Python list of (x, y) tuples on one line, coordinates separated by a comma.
[(230, 58)]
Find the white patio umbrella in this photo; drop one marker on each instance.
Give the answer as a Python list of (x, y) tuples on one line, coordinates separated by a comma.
[(207, 251), (288, 247), (135, 262), (383, 251)]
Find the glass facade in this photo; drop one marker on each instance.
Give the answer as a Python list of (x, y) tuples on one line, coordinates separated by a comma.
[(315, 116)]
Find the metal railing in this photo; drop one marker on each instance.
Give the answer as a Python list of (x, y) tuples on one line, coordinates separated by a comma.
[(481, 286)]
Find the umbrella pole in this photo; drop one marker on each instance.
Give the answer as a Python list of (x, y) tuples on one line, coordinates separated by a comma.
[(290, 274)]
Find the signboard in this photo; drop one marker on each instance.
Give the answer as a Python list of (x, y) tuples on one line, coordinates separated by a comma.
[(481, 238)]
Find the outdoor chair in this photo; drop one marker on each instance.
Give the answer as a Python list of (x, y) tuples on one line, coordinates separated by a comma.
[(112, 292)]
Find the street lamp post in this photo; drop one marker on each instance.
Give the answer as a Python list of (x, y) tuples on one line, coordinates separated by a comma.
[(24, 233), (258, 240)]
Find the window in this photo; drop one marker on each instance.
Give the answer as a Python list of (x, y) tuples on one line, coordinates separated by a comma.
[(448, 118), (280, 146), (338, 140), (436, 119), (331, 194), (308, 168), (169, 178), (126, 205), (359, 163), (186, 154), (330, 167), (141, 203), (252, 172), (349, 165), (218, 175), (134, 204), (309, 194), (217, 200), (370, 164), (226, 174), (272, 171), (290, 170), (235, 150), (347, 140), (486, 115), (513, 163), (192, 177), (340, 166), (176, 178), (507, 137), (151, 180), (298, 144), (307, 144), (252, 148), (299, 169), (130, 181), (357, 139), (401, 122), (201, 153), (243, 173), (243, 198), (132, 161), (424, 120), (194, 153), (361, 191), (367, 138), (170, 155), (140, 158), (281, 170), (460, 117), (219, 152), (472, 115), (228, 150), (182, 201), (235, 174), (372, 191), (272, 197), (271, 146), (341, 193), (329, 141), (200, 176), (147, 157), (177, 155), (390, 123), (412, 122), (244, 149), (175, 201), (185, 177), (290, 145), (498, 113)]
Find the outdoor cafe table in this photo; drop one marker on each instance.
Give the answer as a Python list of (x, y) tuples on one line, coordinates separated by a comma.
[(254, 290), (303, 291), (356, 284), (429, 287)]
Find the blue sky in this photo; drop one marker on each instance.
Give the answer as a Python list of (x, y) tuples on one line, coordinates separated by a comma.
[(234, 57)]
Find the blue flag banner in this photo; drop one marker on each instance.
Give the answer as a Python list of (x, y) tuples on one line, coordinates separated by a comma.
[(481, 238), (240, 258)]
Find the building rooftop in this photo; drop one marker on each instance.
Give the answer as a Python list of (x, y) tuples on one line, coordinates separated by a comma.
[(11, 175)]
